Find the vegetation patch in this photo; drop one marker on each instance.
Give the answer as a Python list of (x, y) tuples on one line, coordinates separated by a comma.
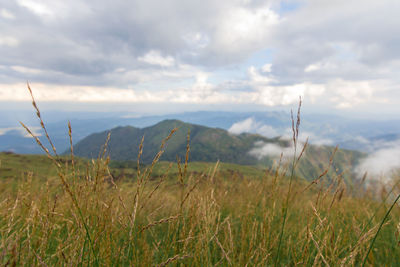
[(60, 210)]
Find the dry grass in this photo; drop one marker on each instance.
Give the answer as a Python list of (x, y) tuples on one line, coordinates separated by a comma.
[(86, 218)]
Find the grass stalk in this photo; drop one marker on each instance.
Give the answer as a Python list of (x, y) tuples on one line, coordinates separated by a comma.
[(295, 130), (60, 172), (379, 229)]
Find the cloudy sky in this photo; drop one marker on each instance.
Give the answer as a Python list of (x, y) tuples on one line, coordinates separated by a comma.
[(339, 55)]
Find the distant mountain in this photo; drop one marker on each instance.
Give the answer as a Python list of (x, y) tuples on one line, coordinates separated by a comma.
[(349, 133), (209, 145), (14, 141), (206, 144)]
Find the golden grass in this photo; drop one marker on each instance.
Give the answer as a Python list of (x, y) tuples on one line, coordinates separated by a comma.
[(84, 218)]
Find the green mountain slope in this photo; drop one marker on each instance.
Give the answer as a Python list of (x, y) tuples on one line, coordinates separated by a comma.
[(209, 145), (206, 144), (316, 160)]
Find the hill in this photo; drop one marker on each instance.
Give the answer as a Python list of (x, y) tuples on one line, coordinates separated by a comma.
[(212, 144), (206, 144)]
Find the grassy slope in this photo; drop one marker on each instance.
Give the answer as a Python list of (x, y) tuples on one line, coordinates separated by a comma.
[(226, 218), (18, 166), (41, 167), (316, 161)]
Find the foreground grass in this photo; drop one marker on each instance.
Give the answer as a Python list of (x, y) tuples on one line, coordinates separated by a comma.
[(200, 218), (78, 214)]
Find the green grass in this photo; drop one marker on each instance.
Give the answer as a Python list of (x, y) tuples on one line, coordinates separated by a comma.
[(63, 211), (232, 216), (14, 166)]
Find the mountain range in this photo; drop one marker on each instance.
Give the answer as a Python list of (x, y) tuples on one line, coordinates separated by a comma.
[(354, 134), (206, 144), (212, 144)]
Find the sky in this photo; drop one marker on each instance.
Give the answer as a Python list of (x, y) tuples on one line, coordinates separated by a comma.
[(340, 56)]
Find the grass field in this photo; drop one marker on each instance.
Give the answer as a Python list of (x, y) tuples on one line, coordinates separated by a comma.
[(63, 211), (213, 216)]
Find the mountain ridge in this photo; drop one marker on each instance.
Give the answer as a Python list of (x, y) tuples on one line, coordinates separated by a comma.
[(210, 145), (353, 134), (206, 143)]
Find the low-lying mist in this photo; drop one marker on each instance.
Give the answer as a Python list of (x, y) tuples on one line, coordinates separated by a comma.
[(381, 163), (382, 160)]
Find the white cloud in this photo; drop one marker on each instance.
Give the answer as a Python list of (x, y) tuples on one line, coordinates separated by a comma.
[(322, 66), (8, 41), (197, 40), (244, 126), (262, 150), (250, 125), (26, 70), (307, 135), (312, 67), (155, 58), (285, 95), (165, 85), (382, 163), (325, 52), (37, 6), (268, 94), (34, 129), (5, 13), (200, 92), (240, 28), (266, 68), (48, 92), (315, 139), (257, 79), (347, 94), (153, 74)]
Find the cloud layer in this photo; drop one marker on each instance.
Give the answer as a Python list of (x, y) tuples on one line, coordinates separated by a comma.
[(210, 52), (262, 150), (382, 163), (250, 125)]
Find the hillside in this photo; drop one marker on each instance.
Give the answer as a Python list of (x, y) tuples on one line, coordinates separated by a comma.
[(227, 216), (17, 166), (14, 166), (209, 145), (206, 144)]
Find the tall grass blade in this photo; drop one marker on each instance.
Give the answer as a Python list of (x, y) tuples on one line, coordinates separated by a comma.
[(379, 229), (286, 204)]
